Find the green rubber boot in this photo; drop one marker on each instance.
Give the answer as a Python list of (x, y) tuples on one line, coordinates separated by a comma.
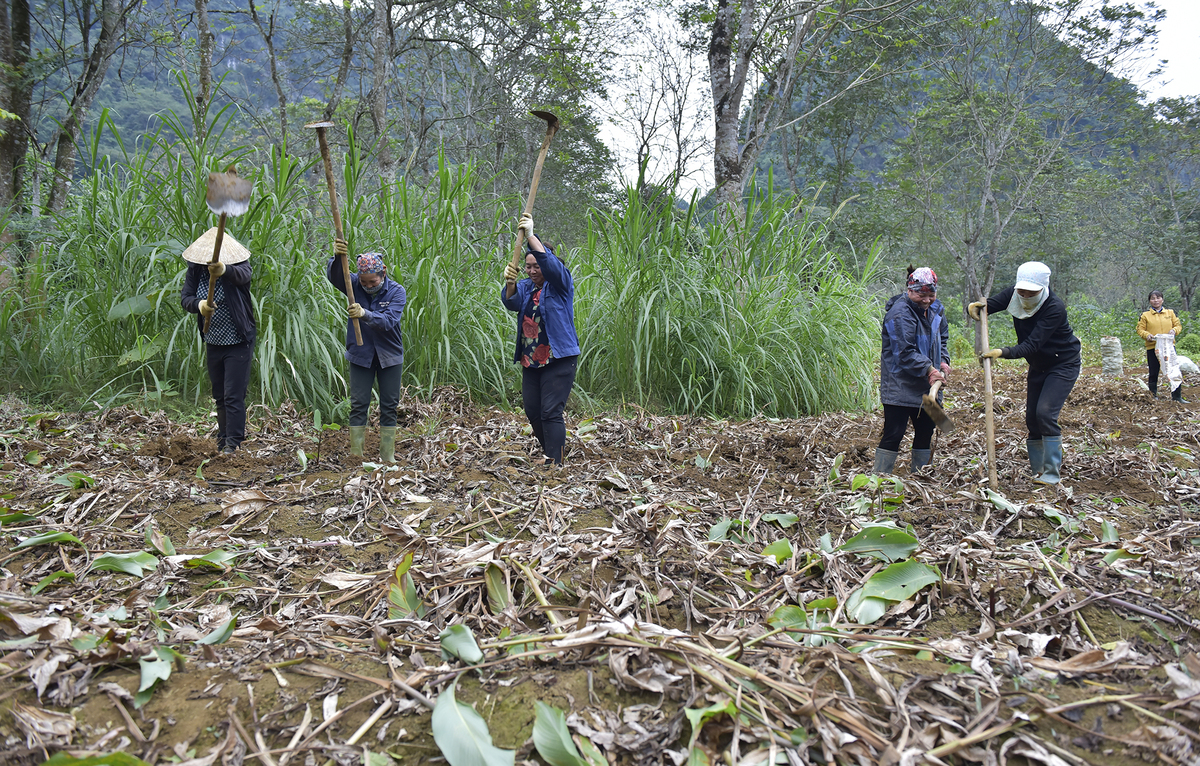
[(358, 437), (885, 460), (1037, 456), (387, 444)]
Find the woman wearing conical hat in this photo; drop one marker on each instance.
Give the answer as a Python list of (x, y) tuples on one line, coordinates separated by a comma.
[(229, 342)]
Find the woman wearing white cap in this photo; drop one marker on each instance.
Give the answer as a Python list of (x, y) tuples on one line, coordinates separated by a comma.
[(229, 342), (1045, 340)]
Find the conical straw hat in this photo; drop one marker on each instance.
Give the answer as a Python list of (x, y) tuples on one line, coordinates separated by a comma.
[(201, 251)]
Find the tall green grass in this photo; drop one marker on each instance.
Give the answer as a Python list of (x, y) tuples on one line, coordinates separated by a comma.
[(672, 313)]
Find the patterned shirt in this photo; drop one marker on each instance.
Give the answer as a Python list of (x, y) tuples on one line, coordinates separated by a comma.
[(221, 329), (535, 344)]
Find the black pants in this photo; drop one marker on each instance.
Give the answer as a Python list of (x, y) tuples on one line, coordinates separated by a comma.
[(895, 423), (1152, 363), (1045, 394), (544, 392), (362, 380), (229, 373)]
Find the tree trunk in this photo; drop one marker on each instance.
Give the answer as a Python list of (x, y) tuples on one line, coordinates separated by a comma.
[(16, 91), (268, 35), (381, 41), (339, 84), (204, 44)]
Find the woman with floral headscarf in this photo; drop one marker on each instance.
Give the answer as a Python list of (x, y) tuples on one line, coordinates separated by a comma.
[(378, 305), (1045, 340), (913, 357)]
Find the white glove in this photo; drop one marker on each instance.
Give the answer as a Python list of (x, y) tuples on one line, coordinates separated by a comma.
[(510, 274), (206, 309), (526, 225), (355, 311), (216, 269)]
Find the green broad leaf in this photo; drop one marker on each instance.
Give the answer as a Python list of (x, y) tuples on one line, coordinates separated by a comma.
[(154, 669), (1001, 502), (33, 457), (15, 518), (499, 597), (1120, 554), (590, 752), (377, 759), (134, 564), (697, 757), (218, 559), (63, 758), (316, 418), (1108, 533), (47, 538), (86, 643), (780, 549), (75, 480), (302, 456), (50, 579), (900, 581), (697, 717), (135, 306), (859, 481), (458, 641), (829, 603), (552, 738), (719, 531), (159, 542), (883, 543), (789, 617), (221, 633), (835, 471), (865, 610), (784, 520), (200, 468), (404, 565), (462, 735), (143, 350), (826, 542)]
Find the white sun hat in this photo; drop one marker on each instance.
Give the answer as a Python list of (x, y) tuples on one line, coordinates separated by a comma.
[(1032, 275), (201, 251)]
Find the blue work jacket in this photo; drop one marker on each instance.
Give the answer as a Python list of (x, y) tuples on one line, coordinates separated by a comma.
[(914, 339), (558, 305), (380, 324)]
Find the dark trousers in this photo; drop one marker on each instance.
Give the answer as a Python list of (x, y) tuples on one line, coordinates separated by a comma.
[(362, 380), (1045, 394), (1152, 363), (544, 392), (229, 373), (895, 423)]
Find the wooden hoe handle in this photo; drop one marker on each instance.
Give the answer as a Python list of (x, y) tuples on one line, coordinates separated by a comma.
[(337, 228)]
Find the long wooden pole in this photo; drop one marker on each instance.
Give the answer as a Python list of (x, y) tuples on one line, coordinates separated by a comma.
[(337, 226), (551, 129), (212, 281), (989, 414)]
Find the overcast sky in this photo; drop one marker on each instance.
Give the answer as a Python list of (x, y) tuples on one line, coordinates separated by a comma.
[(1179, 43)]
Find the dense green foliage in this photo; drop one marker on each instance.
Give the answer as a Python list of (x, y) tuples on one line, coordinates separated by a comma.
[(757, 317)]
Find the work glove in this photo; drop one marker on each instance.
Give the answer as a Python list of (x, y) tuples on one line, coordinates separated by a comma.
[(355, 311), (974, 309), (340, 249), (207, 309), (993, 354), (216, 269), (526, 225), (946, 371), (511, 275), (934, 376)]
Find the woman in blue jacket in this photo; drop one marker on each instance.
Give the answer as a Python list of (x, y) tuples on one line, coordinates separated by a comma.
[(547, 347), (914, 356), (378, 306), (229, 343)]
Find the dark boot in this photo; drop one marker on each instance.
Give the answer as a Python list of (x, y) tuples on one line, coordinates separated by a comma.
[(1177, 395), (1037, 460), (920, 459), (1052, 457), (885, 460), (222, 430)]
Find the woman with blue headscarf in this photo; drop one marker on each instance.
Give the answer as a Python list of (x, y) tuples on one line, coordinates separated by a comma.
[(1045, 340), (378, 306)]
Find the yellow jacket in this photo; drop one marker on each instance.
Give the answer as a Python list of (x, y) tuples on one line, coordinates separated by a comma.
[(1158, 323)]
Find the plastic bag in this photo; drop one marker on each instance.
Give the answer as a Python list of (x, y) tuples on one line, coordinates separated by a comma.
[(1187, 365), (1111, 357), (1164, 349)]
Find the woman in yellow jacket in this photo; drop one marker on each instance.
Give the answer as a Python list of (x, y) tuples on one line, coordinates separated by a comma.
[(1158, 321)]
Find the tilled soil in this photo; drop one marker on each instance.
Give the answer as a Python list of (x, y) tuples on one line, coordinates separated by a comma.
[(625, 589)]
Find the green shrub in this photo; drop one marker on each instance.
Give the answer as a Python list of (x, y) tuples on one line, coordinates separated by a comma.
[(1189, 345)]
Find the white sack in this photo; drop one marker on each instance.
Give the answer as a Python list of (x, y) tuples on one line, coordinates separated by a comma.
[(1110, 356), (1164, 349)]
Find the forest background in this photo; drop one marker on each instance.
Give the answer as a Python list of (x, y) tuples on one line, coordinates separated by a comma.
[(839, 142)]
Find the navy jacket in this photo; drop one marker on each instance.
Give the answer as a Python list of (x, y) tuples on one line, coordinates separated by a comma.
[(236, 281), (380, 324), (558, 305), (914, 339), (1045, 339)]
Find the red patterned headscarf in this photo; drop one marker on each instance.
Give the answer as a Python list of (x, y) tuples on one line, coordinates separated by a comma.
[(370, 263)]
